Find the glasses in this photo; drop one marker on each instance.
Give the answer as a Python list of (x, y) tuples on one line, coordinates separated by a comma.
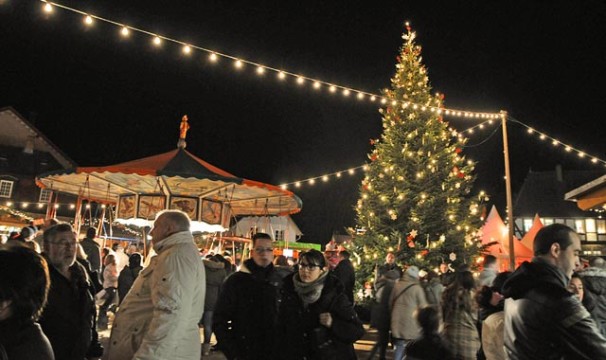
[(262, 249), (64, 243), (309, 267)]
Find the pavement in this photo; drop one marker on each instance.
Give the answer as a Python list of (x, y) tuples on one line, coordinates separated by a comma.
[(363, 346)]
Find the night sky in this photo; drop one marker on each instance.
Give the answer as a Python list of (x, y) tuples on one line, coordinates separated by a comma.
[(104, 99)]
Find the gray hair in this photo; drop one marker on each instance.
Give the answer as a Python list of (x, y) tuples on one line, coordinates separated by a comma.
[(176, 217)]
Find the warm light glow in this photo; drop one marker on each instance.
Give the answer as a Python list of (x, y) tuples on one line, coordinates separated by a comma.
[(25, 204), (9, 203), (530, 131), (88, 20), (332, 88), (346, 92), (316, 85), (338, 174), (300, 80), (238, 64), (157, 41), (283, 186), (40, 205), (212, 57), (281, 75), (88, 206), (325, 178), (383, 101), (568, 148), (56, 206), (351, 171), (260, 70), (360, 96), (373, 98), (72, 206), (124, 31), (186, 49), (542, 137), (298, 184), (312, 181), (48, 8)]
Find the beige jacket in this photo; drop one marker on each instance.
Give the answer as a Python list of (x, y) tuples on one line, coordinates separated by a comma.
[(403, 323), (159, 317)]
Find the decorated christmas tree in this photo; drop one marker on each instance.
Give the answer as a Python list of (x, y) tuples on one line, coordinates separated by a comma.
[(415, 199)]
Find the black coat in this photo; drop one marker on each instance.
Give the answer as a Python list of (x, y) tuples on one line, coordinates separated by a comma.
[(345, 272), (545, 321), (245, 314), (296, 324), (23, 340), (67, 319), (594, 280)]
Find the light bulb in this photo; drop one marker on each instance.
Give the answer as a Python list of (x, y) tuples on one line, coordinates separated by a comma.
[(186, 49), (281, 75), (48, 8), (124, 31), (157, 41), (316, 85), (260, 70), (88, 20), (238, 64), (213, 57)]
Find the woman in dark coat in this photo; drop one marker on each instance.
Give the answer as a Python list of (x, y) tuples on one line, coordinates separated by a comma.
[(128, 275), (316, 320)]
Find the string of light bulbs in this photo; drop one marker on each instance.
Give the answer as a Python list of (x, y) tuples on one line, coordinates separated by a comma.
[(260, 69), (557, 143), (352, 171), (40, 205)]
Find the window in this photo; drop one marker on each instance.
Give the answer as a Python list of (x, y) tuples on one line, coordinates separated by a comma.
[(527, 225), (547, 221), (6, 188), (579, 226), (279, 235), (601, 226), (45, 195), (590, 225)]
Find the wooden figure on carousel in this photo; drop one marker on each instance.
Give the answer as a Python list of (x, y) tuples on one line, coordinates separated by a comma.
[(183, 132)]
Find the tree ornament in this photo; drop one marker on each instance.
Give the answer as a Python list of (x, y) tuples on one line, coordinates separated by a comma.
[(374, 157), (394, 216), (452, 256), (461, 175)]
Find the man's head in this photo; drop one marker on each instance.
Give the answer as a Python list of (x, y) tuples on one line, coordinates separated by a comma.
[(390, 258), (24, 284), (27, 233), (132, 248), (263, 251), (60, 245), (559, 245), (490, 262), (168, 222), (91, 233)]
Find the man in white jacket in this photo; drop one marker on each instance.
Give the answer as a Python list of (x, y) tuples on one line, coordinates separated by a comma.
[(159, 317)]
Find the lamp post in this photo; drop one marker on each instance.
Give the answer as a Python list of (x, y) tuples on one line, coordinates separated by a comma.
[(512, 258)]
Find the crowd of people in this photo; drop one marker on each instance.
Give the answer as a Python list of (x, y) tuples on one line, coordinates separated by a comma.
[(53, 303)]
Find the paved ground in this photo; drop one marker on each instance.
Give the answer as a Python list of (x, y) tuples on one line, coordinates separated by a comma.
[(362, 346)]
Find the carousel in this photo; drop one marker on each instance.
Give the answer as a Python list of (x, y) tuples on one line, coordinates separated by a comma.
[(137, 190)]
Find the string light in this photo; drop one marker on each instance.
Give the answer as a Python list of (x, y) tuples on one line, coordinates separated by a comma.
[(300, 80), (556, 143)]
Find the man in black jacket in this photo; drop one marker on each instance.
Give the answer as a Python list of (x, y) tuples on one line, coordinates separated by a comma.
[(345, 272), (246, 311), (67, 319), (542, 319)]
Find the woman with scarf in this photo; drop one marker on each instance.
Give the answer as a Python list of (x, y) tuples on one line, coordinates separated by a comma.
[(316, 320)]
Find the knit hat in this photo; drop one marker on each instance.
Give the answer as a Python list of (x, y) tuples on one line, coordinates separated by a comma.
[(413, 271)]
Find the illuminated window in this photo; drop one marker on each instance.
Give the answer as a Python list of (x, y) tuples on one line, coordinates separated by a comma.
[(547, 221), (6, 188), (45, 195), (601, 226), (279, 235), (590, 225), (579, 226), (527, 224)]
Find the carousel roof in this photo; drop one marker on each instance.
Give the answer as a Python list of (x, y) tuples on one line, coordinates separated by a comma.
[(174, 173)]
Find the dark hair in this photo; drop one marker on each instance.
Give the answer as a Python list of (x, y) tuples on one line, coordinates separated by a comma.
[(344, 254), (428, 318), (50, 233), (24, 282), (458, 294), (91, 232), (313, 256), (550, 234), (499, 280), (489, 260), (258, 236), (483, 297), (134, 260), (281, 260)]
